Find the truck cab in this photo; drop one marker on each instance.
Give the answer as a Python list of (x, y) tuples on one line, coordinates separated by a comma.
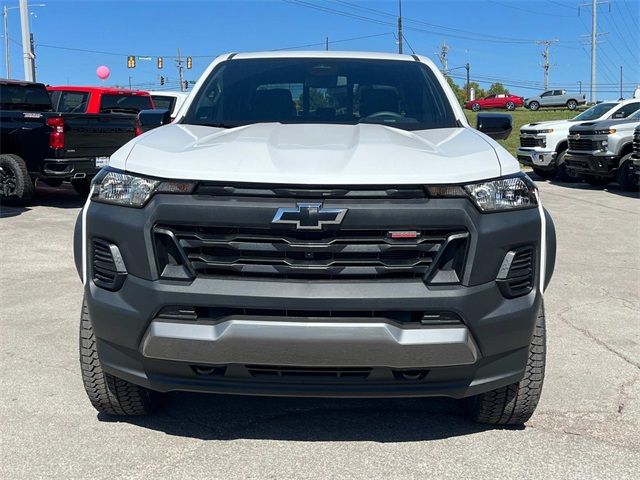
[(68, 99), (543, 144)]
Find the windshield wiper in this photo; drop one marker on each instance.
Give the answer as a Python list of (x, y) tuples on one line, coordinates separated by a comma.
[(219, 125)]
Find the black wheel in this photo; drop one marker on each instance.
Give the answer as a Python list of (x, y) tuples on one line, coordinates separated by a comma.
[(475, 107), (572, 104), (534, 106), (596, 181), (510, 106), (16, 186), (82, 186), (626, 176), (109, 394), (562, 173), (544, 173), (515, 403)]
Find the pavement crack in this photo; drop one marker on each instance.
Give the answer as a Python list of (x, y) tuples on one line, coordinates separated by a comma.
[(591, 336)]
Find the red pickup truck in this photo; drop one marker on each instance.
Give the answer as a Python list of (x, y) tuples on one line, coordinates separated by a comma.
[(506, 101), (68, 99)]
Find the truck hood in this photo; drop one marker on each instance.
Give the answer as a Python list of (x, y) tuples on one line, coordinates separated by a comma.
[(314, 154), (624, 123), (549, 124)]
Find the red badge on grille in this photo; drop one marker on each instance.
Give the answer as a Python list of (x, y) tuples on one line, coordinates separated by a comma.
[(404, 234)]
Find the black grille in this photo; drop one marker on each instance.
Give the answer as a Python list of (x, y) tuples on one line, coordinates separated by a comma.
[(584, 144), (531, 142), (335, 254), (519, 280), (317, 372), (406, 318), (105, 272)]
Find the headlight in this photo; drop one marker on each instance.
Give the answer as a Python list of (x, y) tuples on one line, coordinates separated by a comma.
[(507, 193), (548, 130), (608, 131), (119, 188)]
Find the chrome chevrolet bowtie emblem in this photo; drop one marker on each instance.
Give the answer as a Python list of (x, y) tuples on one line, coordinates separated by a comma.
[(309, 216)]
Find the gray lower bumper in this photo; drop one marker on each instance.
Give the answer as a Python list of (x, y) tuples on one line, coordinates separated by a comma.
[(309, 344)]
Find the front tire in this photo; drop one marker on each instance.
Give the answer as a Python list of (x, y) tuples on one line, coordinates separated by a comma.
[(626, 176), (515, 403), (596, 181), (544, 173), (109, 394), (562, 173), (16, 186), (534, 106)]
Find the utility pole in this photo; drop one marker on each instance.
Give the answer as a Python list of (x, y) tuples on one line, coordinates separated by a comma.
[(179, 62), (26, 42), (594, 36), (400, 26), (129, 82), (5, 14), (580, 84), (468, 67), (444, 51), (620, 82), (546, 65), (326, 44)]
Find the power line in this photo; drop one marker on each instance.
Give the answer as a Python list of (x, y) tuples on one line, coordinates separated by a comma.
[(546, 14), (333, 11), (432, 25), (561, 4)]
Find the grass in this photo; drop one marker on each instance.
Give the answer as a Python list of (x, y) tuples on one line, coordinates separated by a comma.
[(521, 117)]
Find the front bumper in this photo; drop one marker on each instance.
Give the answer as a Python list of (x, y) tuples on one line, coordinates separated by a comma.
[(282, 325), (601, 164), (536, 157)]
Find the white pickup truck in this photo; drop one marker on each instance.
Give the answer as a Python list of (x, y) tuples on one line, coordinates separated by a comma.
[(600, 152), (316, 224), (544, 144)]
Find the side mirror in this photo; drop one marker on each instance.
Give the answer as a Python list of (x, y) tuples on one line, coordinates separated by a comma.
[(496, 125), (150, 119)]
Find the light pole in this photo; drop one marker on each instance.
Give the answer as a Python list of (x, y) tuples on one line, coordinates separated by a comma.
[(7, 45)]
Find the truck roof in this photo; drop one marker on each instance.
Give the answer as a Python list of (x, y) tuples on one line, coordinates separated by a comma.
[(119, 91), (324, 54), (8, 81)]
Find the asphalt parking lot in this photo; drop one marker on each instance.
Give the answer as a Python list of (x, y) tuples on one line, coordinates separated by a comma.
[(587, 425)]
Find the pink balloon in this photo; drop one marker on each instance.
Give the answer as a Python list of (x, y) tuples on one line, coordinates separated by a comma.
[(103, 72)]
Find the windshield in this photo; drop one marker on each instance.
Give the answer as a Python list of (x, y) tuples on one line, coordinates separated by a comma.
[(26, 97), (132, 104), (635, 115), (164, 102), (401, 94), (594, 112)]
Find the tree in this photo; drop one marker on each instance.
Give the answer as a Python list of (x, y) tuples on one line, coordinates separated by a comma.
[(497, 89), (461, 94), (479, 91)]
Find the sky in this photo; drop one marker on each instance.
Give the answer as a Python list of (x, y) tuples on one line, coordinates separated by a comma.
[(497, 38)]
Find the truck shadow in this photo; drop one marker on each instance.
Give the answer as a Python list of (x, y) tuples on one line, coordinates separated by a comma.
[(45, 196), (612, 188), (229, 417)]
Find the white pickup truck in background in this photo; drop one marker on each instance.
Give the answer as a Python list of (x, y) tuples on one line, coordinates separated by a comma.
[(543, 144)]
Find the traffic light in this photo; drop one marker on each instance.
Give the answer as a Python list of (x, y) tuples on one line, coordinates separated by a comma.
[(189, 63), (161, 80), (160, 63), (131, 61)]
